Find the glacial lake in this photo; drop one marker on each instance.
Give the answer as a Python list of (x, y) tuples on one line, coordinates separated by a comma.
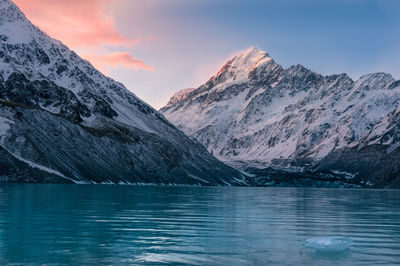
[(129, 225)]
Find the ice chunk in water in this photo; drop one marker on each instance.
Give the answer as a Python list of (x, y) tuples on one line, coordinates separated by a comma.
[(328, 244)]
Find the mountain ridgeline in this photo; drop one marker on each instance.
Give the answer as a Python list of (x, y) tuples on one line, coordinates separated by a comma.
[(61, 120), (294, 126)]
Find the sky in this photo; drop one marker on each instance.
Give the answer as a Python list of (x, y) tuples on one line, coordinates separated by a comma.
[(157, 47)]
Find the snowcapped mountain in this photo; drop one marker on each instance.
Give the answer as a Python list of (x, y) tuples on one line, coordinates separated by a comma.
[(293, 122), (61, 120)]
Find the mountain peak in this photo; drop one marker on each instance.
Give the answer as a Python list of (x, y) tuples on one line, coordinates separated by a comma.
[(239, 67), (250, 57), (253, 53)]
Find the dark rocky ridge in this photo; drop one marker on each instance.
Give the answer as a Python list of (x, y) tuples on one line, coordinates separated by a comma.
[(61, 120)]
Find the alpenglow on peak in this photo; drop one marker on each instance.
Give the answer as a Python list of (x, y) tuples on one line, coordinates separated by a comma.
[(239, 67)]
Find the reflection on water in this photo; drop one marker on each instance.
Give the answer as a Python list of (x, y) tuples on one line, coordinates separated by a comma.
[(71, 224)]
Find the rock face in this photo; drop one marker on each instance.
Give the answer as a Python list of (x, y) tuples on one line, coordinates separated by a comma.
[(255, 114), (61, 120)]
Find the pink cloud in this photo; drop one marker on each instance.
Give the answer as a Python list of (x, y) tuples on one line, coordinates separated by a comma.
[(85, 24), (76, 22), (117, 59)]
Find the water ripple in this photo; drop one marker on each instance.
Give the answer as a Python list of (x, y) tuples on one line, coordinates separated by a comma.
[(95, 225)]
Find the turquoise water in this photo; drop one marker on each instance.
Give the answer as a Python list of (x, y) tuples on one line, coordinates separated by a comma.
[(95, 225)]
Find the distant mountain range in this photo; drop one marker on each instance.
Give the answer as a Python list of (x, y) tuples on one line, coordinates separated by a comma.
[(294, 126), (61, 120)]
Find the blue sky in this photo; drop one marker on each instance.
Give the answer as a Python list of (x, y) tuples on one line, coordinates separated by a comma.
[(187, 41), (196, 37)]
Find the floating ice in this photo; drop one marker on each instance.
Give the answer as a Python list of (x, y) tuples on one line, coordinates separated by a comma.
[(328, 244)]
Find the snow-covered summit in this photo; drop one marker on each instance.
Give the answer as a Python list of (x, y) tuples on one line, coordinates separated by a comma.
[(238, 68), (256, 112), (246, 61)]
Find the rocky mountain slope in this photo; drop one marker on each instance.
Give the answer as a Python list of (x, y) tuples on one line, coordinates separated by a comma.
[(294, 124), (61, 120)]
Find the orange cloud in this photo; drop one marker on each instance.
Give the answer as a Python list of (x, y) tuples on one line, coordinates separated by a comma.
[(76, 22), (117, 59)]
